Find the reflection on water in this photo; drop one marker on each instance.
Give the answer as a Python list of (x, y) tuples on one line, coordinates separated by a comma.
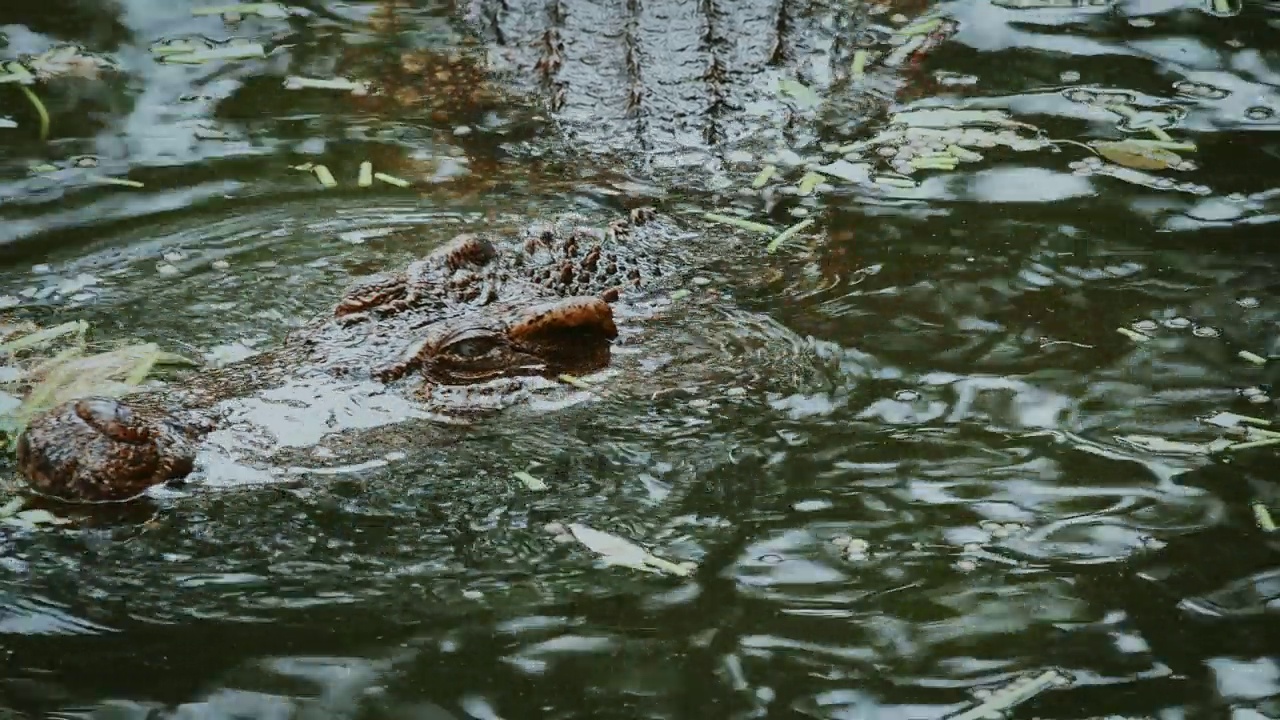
[(910, 454)]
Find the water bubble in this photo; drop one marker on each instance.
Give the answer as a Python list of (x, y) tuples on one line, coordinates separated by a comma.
[(1069, 76), (841, 540), (1204, 331), (220, 264), (906, 396), (1164, 183), (1176, 323), (1250, 392), (1259, 112), (1185, 166), (1144, 325), (1080, 96), (771, 559), (1093, 161), (888, 151), (1077, 165), (1260, 399), (166, 269), (1237, 197), (1142, 22), (1248, 302), (966, 565)]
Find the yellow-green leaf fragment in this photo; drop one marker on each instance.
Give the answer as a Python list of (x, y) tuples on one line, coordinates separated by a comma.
[(40, 110), (296, 82), (530, 482), (40, 337), (894, 182), (766, 173), (266, 10), (808, 183), (324, 176), (366, 174), (1251, 444), (240, 51), (13, 71), (575, 381), (1133, 334), (787, 235), (738, 222), (679, 294), (859, 67), (923, 27), (799, 91), (11, 507), (391, 180), (1263, 516), (1137, 156), (1251, 357), (1011, 695), (618, 551), (108, 180)]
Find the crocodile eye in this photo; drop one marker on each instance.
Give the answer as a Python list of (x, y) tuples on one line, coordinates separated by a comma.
[(472, 347)]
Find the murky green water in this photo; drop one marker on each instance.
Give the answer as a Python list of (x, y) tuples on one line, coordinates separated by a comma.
[(935, 374)]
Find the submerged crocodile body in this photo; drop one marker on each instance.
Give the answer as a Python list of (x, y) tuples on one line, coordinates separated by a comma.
[(666, 85), (477, 309)]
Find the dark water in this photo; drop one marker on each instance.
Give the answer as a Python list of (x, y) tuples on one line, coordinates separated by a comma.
[(935, 373)]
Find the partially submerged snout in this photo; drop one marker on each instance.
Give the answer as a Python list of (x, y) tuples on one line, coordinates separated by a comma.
[(101, 449)]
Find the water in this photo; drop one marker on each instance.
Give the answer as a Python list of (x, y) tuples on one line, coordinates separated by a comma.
[(911, 456)]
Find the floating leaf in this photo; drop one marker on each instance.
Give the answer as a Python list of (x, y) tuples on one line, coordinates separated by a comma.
[(529, 481), (944, 118), (801, 92), (1139, 156), (617, 551), (266, 10), (847, 171)]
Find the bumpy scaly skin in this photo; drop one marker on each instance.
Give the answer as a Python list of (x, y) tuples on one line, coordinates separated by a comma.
[(475, 309)]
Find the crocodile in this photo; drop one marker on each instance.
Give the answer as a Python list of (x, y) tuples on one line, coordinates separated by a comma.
[(482, 308)]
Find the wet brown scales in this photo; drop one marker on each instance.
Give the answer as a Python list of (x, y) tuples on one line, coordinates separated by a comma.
[(478, 308)]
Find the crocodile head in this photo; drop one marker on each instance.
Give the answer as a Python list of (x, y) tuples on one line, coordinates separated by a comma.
[(474, 310)]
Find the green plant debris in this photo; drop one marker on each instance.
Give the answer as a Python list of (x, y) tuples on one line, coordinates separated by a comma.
[(391, 180), (738, 222), (304, 167), (1133, 335), (575, 381), (40, 110), (946, 118), (48, 378), (108, 180), (1251, 357), (530, 482), (1263, 516), (808, 183), (12, 71), (296, 82), (1226, 7), (324, 176), (762, 179), (1014, 693), (365, 178), (1140, 156), (902, 52), (680, 294), (230, 51), (921, 27), (787, 234), (894, 181), (859, 67), (45, 336), (1252, 444), (618, 551), (1231, 420), (11, 507), (264, 10), (847, 171), (802, 93), (180, 46)]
